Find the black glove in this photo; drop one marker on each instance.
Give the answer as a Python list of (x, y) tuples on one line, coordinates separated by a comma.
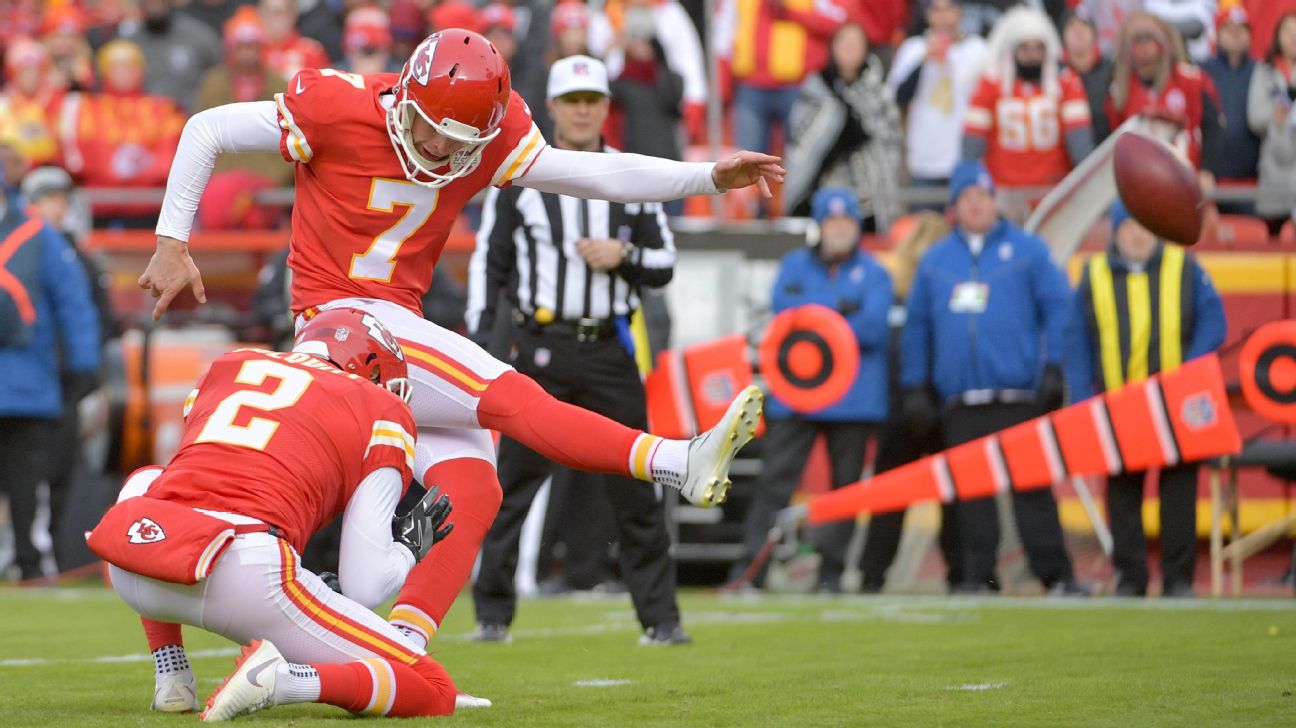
[(331, 579), (1051, 389), (918, 411), (846, 306), (425, 524)]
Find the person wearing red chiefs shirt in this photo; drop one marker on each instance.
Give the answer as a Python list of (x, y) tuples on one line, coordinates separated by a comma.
[(384, 165), (1028, 119), (287, 52), (1151, 76), (275, 446)]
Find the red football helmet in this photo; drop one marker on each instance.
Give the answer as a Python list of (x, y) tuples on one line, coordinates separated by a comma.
[(457, 82), (356, 343)]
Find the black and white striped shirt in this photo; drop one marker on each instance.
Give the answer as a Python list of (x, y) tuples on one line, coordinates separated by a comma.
[(527, 246)]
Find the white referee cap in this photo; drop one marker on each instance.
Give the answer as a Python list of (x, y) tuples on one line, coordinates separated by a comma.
[(577, 73)]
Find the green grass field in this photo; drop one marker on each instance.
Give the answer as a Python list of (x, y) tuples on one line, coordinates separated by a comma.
[(76, 657)]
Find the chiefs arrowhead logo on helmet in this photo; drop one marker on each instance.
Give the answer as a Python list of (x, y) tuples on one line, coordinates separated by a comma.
[(421, 61), (145, 530)]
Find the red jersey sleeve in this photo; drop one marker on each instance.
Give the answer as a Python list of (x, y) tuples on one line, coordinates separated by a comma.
[(312, 108), (513, 152), (979, 120), (1073, 108), (391, 441)]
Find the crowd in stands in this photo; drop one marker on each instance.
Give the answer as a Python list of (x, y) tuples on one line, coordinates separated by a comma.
[(874, 95)]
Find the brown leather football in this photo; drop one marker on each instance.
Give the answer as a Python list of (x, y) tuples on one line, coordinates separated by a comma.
[(1158, 188)]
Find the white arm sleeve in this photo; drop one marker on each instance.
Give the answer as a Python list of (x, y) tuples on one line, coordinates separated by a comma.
[(371, 566), (621, 178), (246, 127)]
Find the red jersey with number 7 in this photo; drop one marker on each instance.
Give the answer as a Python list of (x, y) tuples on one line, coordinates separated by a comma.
[(359, 228), (285, 438)]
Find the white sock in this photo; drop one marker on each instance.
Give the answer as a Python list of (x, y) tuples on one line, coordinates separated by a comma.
[(669, 463), (419, 639), (296, 684), (170, 660)]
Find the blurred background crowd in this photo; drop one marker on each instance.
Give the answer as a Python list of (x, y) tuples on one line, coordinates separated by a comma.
[(884, 99)]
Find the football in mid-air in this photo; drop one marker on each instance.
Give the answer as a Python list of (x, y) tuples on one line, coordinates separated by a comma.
[(1158, 188)]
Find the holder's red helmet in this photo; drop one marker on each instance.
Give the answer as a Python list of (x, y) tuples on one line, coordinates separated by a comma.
[(356, 343), (457, 82)]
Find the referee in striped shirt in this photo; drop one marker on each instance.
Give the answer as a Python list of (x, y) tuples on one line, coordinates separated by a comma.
[(571, 269)]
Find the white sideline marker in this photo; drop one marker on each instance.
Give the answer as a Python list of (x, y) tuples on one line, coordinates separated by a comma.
[(600, 683), (977, 687)]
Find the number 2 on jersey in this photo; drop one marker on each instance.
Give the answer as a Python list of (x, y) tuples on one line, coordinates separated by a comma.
[(257, 432), (379, 261)]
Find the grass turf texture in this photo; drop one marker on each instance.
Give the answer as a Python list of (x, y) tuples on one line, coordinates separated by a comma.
[(77, 657)]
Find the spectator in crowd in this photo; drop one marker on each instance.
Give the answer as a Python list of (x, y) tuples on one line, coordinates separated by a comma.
[(177, 50), (570, 24), (54, 198), (846, 132), (899, 444), (770, 48), (367, 42), (71, 60), (1193, 19), (1269, 103), (580, 352), (498, 25), (30, 103), (648, 94), (933, 76), (121, 136), (1104, 351), (244, 76), (982, 351), (1151, 76), (46, 318), (979, 17), (1264, 15), (1231, 71), (13, 165), (838, 274), (666, 22), (408, 27), (288, 51), (1028, 119), (1085, 59)]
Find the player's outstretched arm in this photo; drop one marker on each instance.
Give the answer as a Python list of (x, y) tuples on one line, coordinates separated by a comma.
[(242, 127), (630, 178)]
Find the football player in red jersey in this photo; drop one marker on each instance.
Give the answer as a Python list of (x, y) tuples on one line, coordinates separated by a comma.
[(385, 163), (1028, 119), (275, 446)]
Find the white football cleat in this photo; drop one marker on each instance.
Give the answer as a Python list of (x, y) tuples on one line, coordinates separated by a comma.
[(175, 694), (250, 688), (464, 700), (706, 482)]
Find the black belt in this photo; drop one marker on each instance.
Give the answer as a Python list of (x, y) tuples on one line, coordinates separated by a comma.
[(582, 329)]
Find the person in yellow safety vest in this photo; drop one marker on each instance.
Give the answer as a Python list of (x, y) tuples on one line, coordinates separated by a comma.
[(1143, 307)]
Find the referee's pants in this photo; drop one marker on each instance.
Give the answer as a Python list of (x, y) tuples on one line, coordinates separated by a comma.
[(1035, 511), (602, 377), (1178, 486)]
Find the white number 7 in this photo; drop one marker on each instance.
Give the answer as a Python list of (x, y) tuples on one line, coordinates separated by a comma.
[(257, 432), (379, 261)]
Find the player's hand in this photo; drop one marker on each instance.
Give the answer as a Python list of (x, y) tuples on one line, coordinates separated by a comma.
[(742, 169), (601, 255), (169, 272), (331, 580), (425, 524)]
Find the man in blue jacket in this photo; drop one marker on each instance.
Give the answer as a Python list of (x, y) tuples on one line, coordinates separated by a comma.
[(981, 350), (835, 273), (47, 318), (1143, 307)]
